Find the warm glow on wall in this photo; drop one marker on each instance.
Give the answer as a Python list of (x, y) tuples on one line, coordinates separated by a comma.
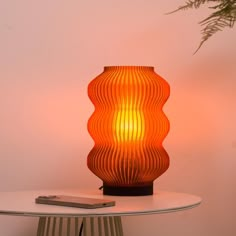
[(128, 127)]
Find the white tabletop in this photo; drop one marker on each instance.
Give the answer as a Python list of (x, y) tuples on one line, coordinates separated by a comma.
[(23, 203)]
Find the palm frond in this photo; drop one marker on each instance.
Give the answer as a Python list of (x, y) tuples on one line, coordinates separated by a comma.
[(224, 15), (218, 20), (190, 4)]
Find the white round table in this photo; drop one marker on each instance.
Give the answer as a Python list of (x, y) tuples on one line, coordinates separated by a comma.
[(60, 220)]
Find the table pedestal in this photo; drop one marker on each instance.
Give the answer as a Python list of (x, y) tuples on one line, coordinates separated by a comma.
[(71, 226)]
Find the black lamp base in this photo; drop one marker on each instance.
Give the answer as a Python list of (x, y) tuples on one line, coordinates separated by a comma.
[(128, 191)]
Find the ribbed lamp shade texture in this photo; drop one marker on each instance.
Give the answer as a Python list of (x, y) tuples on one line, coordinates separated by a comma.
[(128, 127)]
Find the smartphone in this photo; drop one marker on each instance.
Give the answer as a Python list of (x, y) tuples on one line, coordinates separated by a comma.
[(74, 201)]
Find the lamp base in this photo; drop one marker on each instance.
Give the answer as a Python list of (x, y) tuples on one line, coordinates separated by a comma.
[(128, 191)]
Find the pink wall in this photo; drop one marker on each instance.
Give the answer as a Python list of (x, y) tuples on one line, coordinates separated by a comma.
[(50, 50)]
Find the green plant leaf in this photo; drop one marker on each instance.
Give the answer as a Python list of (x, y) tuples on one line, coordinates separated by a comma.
[(224, 15)]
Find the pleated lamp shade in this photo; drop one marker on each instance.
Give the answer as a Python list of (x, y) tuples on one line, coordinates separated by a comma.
[(128, 127)]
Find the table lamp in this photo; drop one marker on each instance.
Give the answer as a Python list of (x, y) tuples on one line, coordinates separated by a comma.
[(128, 127)]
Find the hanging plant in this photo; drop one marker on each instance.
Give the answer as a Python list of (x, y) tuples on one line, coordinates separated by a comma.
[(224, 15)]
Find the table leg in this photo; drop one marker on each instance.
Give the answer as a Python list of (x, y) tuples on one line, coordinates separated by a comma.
[(41, 226), (70, 226)]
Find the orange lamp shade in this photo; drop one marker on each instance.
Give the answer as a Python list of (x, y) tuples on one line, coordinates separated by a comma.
[(128, 127)]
